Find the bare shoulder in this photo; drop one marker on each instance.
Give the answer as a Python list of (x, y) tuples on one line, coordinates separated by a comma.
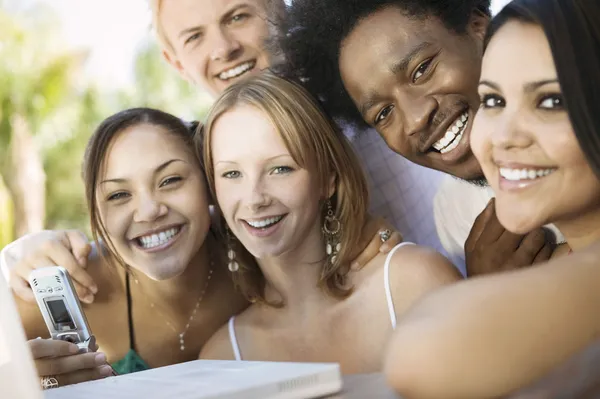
[(415, 270), (218, 347)]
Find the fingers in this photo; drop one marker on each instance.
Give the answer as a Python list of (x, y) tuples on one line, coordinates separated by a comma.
[(62, 255), (54, 253), (41, 348), (84, 375), (479, 225), (79, 244), (370, 252), (21, 288), (395, 239), (493, 229), (529, 248), (70, 364), (544, 254)]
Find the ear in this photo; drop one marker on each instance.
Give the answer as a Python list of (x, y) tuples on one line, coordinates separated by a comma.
[(331, 186), (175, 63), (478, 24)]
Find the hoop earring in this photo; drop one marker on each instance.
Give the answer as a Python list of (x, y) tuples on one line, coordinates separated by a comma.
[(332, 228), (232, 263)]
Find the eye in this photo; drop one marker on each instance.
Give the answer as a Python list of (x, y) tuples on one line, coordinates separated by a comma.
[(279, 170), (231, 175), (421, 69), (239, 17), (117, 196), (170, 180), (384, 113), (551, 102), (492, 101), (190, 39)]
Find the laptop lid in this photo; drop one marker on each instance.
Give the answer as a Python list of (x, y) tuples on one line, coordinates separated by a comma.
[(214, 379), (18, 377)]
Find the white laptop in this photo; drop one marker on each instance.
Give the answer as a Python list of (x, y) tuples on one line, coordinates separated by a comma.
[(202, 379)]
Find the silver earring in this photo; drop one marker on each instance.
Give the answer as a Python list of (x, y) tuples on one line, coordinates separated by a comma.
[(232, 264), (331, 229)]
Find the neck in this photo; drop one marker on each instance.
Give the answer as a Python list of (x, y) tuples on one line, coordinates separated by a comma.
[(293, 277), (582, 231), (187, 284)]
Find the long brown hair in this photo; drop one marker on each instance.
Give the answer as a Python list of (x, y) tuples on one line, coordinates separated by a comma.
[(98, 147), (312, 139)]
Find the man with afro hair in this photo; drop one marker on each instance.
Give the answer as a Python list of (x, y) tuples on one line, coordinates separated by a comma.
[(410, 70)]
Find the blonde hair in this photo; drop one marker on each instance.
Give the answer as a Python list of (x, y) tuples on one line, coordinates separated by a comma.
[(158, 30), (312, 140)]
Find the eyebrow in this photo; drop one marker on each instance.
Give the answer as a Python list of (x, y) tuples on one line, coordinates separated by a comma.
[(159, 169), (266, 160), (225, 17), (396, 67), (528, 87)]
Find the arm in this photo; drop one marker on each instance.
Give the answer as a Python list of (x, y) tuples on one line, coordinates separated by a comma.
[(69, 249), (488, 336)]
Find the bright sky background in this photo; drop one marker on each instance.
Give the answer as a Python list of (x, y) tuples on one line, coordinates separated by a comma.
[(112, 29)]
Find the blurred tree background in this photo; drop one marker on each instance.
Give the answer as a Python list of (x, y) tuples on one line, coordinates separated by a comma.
[(49, 109)]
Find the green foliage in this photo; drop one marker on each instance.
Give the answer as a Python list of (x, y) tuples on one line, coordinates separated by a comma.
[(6, 216), (44, 83)]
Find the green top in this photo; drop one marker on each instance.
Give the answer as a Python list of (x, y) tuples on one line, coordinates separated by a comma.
[(131, 363)]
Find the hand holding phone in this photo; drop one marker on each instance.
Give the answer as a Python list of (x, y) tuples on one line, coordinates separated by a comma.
[(60, 307)]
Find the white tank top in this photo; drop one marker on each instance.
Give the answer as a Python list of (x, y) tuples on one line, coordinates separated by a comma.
[(388, 296)]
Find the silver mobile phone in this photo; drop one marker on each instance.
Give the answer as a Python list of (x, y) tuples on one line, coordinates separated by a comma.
[(60, 307)]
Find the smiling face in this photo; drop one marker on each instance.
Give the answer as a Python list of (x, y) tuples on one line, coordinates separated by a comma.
[(152, 201), (214, 43), (269, 202), (523, 136), (415, 81)]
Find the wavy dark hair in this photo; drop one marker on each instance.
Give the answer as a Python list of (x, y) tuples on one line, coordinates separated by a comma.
[(98, 147), (572, 28), (310, 35)]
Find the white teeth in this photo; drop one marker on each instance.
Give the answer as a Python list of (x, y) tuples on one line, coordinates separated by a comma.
[(524, 174), (453, 135), (155, 240), (265, 222), (237, 71)]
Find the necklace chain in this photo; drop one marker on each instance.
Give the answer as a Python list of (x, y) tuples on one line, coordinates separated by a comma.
[(191, 318)]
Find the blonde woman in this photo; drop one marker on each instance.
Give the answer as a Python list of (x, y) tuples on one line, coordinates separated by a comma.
[(294, 196)]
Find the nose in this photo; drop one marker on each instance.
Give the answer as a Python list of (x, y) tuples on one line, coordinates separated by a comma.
[(418, 113), (509, 130), (148, 209), (224, 46), (257, 196)]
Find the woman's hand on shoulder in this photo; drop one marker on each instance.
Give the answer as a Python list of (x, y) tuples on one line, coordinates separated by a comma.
[(69, 249), (378, 237)]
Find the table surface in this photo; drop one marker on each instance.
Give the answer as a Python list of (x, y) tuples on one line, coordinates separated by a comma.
[(360, 386)]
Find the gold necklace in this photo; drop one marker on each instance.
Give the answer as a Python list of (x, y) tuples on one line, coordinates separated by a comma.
[(191, 318)]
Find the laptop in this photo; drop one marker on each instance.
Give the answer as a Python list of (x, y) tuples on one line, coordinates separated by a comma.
[(200, 379)]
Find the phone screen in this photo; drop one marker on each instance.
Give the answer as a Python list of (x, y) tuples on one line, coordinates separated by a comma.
[(60, 315)]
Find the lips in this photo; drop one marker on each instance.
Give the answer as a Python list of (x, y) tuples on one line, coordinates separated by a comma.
[(453, 134), (157, 239), (237, 71)]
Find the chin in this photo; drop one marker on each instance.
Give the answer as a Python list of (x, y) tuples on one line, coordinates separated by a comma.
[(163, 272)]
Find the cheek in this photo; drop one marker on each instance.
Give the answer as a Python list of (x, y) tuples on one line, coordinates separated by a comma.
[(226, 199), (480, 138)]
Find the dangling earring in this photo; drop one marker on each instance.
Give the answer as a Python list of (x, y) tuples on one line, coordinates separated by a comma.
[(331, 229), (232, 264)]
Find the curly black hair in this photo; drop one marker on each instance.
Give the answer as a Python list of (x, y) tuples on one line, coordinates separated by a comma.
[(309, 36)]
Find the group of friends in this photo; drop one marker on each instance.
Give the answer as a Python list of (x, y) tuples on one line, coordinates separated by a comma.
[(277, 228)]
